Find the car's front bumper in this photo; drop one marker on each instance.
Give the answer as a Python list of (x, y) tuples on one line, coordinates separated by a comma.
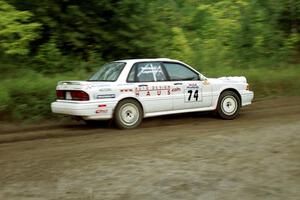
[(85, 110), (247, 97)]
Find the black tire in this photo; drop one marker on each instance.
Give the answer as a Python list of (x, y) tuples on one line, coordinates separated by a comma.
[(128, 114), (229, 105)]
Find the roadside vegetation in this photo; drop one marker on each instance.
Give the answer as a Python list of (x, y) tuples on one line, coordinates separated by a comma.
[(42, 42)]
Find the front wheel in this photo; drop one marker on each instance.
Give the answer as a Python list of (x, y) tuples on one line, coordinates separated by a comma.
[(228, 105), (128, 114)]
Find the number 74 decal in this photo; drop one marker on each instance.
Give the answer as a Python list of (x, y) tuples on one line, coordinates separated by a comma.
[(192, 95)]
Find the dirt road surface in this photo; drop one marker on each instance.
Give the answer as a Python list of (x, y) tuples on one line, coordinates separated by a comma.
[(190, 156)]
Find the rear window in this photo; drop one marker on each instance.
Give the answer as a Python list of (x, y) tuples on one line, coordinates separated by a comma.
[(108, 72)]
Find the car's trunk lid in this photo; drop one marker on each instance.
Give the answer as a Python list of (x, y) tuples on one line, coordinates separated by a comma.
[(76, 85), (78, 90)]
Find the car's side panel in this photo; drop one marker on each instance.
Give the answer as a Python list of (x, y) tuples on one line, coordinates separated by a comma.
[(154, 96), (193, 94), (153, 114), (197, 94), (219, 86)]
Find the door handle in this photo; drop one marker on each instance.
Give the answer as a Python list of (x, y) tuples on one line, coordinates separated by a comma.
[(143, 85), (177, 83)]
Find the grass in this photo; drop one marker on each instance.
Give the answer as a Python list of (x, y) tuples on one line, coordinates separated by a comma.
[(276, 81), (26, 95)]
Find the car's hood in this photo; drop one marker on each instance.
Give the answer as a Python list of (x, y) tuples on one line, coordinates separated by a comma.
[(236, 79), (230, 79)]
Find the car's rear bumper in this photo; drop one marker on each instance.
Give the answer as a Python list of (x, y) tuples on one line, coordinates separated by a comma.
[(247, 98), (85, 110)]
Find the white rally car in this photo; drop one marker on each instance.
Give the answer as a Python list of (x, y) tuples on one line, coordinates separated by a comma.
[(129, 90)]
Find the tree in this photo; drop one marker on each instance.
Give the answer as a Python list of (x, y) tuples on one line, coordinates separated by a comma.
[(16, 30)]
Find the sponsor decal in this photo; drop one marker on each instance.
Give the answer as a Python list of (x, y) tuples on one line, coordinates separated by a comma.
[(177, 89), (192, 86), (105, 96), (193, 95), (101, 111), (137, 93), (150, 69), (126, 90), (105, 90), (102, 108), (152, 90)]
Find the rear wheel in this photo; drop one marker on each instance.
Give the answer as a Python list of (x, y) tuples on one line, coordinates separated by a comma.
[(128, 114), (228, 105)]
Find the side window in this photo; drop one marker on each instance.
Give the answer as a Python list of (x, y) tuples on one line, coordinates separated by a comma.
[(178, 72), (146, 72), (131, 74)]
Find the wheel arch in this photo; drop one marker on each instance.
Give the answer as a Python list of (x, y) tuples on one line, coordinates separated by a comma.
[(232, 90), (130, 98)]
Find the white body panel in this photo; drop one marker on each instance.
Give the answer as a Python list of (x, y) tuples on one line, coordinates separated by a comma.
[(156, 98)]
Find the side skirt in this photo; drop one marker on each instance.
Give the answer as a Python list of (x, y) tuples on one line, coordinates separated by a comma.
[(154, 114)]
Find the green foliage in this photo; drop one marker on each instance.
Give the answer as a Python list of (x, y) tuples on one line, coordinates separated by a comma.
[(28, 95), (205, 33), (265, 82), (49, 57), (16, 30), (27, 98), (4, 98), (181, 49), (43, 41)]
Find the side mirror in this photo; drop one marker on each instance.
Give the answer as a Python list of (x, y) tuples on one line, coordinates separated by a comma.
[(202, 78)]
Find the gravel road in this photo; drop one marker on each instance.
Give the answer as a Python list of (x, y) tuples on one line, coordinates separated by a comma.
[(188, 156)]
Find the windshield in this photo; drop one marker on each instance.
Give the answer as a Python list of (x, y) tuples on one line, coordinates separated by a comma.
[(108, 72)]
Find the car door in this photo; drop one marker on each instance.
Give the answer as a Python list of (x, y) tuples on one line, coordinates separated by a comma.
[(152, 87), (194, 93)]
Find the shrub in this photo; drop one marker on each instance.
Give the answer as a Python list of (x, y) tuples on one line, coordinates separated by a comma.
[(28, 96)]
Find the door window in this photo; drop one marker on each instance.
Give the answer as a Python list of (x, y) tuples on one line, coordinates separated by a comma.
[(146, 72), (179, 72)]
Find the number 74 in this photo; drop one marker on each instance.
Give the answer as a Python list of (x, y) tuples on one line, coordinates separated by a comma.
[(191, 94)]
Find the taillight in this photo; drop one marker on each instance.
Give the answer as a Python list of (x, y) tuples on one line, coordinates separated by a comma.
[(78, 95), (60, 94)]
